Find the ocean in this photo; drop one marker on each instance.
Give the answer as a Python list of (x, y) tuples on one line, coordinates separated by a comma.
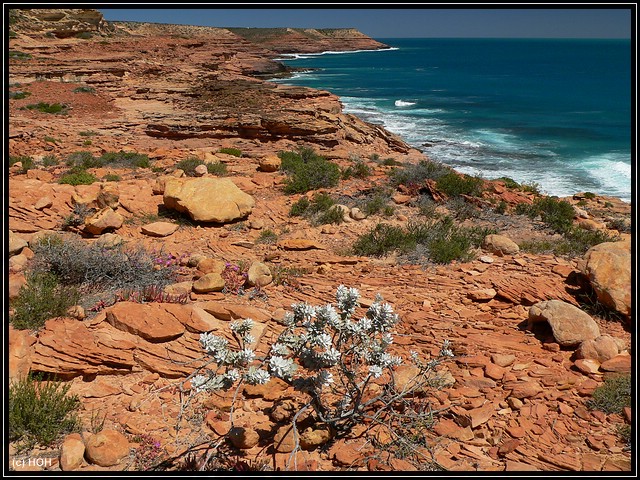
[(552, 112)]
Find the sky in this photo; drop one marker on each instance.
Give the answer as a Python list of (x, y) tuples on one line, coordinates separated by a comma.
[(534, 21)]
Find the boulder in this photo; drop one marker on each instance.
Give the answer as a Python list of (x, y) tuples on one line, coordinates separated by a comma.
[(21, 344), (243, 437), (607, 266), (72, 452), (570, 325), (270, 163), (107, 448), (259, 275), (16, 244), (200, 170), (500, 245), (208, 199), (603, 348), (210, 282), (105, 219), (108, 196), (159, 229)]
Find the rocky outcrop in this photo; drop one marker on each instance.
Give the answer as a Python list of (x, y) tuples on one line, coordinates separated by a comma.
[(62, 23)]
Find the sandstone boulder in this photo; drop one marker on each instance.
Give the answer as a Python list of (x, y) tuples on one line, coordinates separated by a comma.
[(601, 349), (108, 196), (500, 245), (608, 268), (107, 448), (208, 199), (259, 275), (159, 229), (155, 322), (16, 244), (72, 452), (210, 282), (570, 325), (270, 163), (243, 437), (105, 219)]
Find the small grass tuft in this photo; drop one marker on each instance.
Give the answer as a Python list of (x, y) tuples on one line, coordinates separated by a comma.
[(54, 108), (231, 151), (613, 395), (84, 90)]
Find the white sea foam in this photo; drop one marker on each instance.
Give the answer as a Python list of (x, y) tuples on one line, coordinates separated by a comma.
[(402, 103), (298, 56)]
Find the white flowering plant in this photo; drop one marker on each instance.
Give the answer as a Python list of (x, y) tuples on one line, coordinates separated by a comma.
[(326, 354)]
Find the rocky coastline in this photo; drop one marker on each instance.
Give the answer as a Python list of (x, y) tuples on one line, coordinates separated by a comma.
[(526, 364)]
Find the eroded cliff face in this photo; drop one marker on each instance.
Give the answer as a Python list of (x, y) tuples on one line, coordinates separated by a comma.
[(186, 83)]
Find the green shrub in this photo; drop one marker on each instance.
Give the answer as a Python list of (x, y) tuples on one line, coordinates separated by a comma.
[(440, 241), (358, 169), (112, 177), (333, 215), (19, 55), (50, 161), (308, 171), (83, 160), (556, 214), (462, 209), (453, 184), (12, 34), (125, 159), (84, 90), (573, 243), (319, 210), (87, 143), (189, 164), (501, 208), (531, 187), (19, 95), (299, 208), (87, 133), (78, 177), (40, 299), (84, 35), (25, 160), (267, 236), (510, 183), (416, 174), (613, 395), (44, 107), (218, 168), (39, 412), (375, 202), (390, 162), (589, 195), (231, 151)]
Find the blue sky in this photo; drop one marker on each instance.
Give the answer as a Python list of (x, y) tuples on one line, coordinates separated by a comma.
[(591, 21)]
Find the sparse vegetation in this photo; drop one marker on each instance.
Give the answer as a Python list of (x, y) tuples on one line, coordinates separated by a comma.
[(613, 395), (25, 160), (40, 411), (308, 171), (78, 176), (267, 236), (414, 175), (15, 54), (42, 298), (50, 161), (54, 108), (439, 241), (357, 169), (112, 177), (454, 184), (589, 195), (231, 151), (18, 95), (510, 183), (84, 90)]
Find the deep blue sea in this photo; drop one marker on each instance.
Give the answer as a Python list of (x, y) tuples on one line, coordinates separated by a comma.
[(554, 112)]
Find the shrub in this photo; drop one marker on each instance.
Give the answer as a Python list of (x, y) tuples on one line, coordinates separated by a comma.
[(235, 276), (589, 195), (19, 95), (267, 236), (556, 214), (390, 162), (613, 395), (112, 177), (375, 203), (300, 207), (531, 187), (149, 453), (308, 171), (150, 293), (78, 177), (50, 161), (40, 299), (573, 243), (218, 168), (510, 183), (358, 169), (84, 90), (189, 164), (77, 216), (440, 241), (334, 215), (92, 267), (84, 35), (462, 209), (454, 184), (44, 107), (87, 133), (331, 359), (125, 159), (19, 55), (501, 208), (416, 174), (25, 160), (39, 412), (83, 160), (231, 151)]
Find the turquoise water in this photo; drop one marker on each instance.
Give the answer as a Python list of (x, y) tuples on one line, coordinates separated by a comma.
[(553, 112)]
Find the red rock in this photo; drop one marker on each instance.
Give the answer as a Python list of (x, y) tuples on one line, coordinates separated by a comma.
[(448, 428), (477, 416), (587, 365), (159, 229), (107, 448), (299, 244), (155, 322), (494, 372), (508, 446), (21, 348), (516, 432), (619, 363), (502, 360), (627, 414), (243, 437), (72, 452), (569, 324)]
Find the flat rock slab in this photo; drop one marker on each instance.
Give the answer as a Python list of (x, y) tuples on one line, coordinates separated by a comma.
[(159, 229)]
